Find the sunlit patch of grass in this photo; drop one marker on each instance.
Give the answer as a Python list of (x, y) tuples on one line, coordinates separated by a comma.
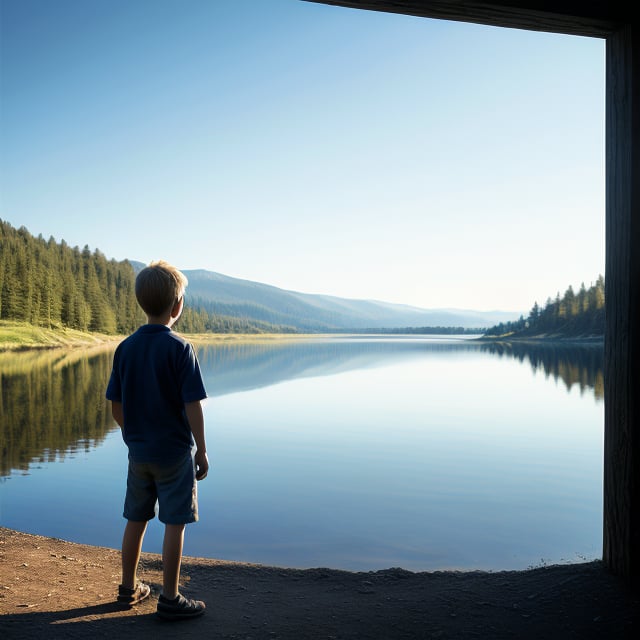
[(22, 335)]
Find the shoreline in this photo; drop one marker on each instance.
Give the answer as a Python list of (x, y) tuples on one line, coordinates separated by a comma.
[(67, 590), (18, 337), (544, 339)]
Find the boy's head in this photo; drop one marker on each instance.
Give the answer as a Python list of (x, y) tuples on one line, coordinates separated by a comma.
[(158, 287)]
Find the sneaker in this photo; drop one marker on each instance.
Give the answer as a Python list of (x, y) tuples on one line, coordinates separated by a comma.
[(133, 596), (179, 609)]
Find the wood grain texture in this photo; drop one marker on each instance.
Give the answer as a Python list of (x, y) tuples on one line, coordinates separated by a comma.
[(621, 527)]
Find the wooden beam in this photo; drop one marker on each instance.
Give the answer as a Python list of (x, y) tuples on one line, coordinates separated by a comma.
[(610, 19), (621, 527), (596, 18)]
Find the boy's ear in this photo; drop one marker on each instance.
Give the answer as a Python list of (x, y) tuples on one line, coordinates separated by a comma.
[(177, 307)]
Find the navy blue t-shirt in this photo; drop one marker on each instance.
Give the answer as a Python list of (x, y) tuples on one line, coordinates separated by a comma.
[(155, 372)]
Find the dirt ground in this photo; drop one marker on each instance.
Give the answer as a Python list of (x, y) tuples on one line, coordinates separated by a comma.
[(57, 589)]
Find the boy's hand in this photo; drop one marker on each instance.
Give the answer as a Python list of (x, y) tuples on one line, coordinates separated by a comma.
[(202, 465)]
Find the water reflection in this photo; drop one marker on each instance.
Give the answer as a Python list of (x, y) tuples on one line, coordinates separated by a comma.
[(51, 405), (575, 365), (52, 402), (230, 368), (354, 453)]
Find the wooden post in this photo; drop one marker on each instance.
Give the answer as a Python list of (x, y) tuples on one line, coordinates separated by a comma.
[(613, 20), (621, 527)]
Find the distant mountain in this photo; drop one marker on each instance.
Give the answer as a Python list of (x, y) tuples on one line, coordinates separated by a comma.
[(255, 301)]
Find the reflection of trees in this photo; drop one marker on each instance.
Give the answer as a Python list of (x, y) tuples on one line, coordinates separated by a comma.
[(51, 402), (233, 367), (229, 368), (581, 365)]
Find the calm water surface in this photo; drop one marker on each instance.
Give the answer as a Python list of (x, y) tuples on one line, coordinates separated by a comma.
[(360, 453)]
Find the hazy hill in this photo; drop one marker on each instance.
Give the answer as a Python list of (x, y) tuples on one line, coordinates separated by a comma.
[(235, 297), (48, 284)]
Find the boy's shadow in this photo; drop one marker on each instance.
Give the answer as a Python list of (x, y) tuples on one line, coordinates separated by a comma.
[(87, 622)]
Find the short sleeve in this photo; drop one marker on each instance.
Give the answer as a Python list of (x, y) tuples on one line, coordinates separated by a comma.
[(192, 387), (114, 387)]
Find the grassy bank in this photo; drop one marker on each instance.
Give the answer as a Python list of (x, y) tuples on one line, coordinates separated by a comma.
[(21, 335)]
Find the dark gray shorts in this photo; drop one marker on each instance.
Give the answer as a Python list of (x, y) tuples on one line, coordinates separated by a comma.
[(173, 486)]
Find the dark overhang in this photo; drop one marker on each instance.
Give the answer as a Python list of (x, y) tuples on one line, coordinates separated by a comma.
[(596, 18)]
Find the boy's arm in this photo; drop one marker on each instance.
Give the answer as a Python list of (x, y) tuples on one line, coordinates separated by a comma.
[(196, 422), (117, 413)]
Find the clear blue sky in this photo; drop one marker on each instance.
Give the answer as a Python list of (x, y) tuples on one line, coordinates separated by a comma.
[(315, 148)]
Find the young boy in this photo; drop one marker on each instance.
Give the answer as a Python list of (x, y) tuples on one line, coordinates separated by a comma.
[(155, 391)]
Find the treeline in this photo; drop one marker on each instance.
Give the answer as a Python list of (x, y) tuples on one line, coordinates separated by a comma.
[(433, 331), (572, 315), (202, 316), (53, 285)]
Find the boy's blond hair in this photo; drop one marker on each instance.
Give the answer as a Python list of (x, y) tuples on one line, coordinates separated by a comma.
[(159, 286)]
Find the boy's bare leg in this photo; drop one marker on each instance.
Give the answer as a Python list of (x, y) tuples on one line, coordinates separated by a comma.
[(131, 549), (171, 559)]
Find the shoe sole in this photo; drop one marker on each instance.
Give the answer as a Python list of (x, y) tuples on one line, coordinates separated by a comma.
[(166, 615)]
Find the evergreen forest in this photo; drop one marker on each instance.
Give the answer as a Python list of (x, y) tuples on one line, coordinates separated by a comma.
[(50, 284), (573, 315)]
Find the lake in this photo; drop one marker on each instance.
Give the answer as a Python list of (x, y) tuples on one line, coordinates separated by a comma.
[(357, 453)]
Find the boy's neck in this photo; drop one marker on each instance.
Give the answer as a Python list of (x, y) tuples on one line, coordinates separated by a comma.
[(170, 316), (167, 320)]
